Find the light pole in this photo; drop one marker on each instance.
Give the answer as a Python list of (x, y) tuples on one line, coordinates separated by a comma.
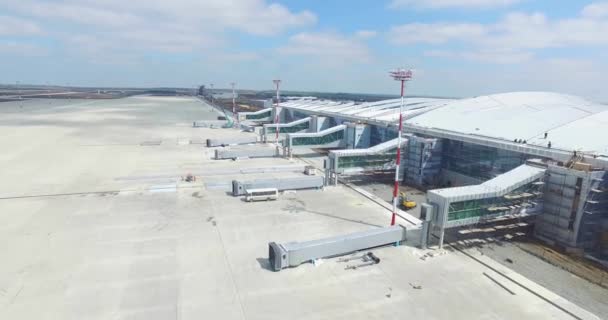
[(276, 111), (234, 102), (402, 75), (211, 92)]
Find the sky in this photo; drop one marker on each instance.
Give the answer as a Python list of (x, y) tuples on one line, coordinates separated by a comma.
[(456, 48)]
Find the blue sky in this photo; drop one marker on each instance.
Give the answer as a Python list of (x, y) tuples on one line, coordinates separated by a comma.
[(455, 47)]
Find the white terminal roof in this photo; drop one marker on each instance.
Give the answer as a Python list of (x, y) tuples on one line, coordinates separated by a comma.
[(571, 123)]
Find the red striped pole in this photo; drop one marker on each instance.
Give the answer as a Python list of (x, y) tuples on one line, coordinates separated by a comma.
[(401, 75)]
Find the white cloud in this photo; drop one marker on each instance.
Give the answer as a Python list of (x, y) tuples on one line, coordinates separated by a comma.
[(536, 31), (488, 56), (10, 26), (568, 75), (442, 4), (236, 57), (140, 26), (330, 47), (569, 64), (250, 16), (22, 49), (435, 33), (572, 76), (366, 34), (596, 10), (513, 38)]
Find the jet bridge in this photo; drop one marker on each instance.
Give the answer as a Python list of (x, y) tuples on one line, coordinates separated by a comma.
[(255, 151), (516, 193), (220, 142), (301, 125), (240, 187), (292, 254), (373, 158), (378, 157), (258, 116), (333, 137)]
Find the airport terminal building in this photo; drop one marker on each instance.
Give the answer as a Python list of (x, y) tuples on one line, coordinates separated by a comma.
[(501, 156)]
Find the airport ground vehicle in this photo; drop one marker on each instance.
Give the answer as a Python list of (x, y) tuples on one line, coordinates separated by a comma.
[(262, 194), (406, 202)]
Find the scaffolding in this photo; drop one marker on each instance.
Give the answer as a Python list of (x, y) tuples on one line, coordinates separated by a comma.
[(595, 215), (525, 200), (423, 161)]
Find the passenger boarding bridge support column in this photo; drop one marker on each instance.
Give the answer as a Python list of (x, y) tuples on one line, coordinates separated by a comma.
[(331, 177), (319, 123), (441, 236), (427, 212), (358, 136)]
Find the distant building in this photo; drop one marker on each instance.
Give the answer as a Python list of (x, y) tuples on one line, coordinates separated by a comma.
[(261, 103), (223, 95)]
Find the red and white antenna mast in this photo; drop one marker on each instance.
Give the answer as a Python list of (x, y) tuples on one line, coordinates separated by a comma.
[(402, 75), (277, 83), (234, 103)]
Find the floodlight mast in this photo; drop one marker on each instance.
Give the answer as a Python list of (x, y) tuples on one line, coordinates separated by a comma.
[(402, 75), (211, 92), (277, 83), (234, 115)]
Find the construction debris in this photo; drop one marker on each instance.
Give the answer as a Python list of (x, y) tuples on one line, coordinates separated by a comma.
[(189, 178), (415, 286), (369, 259)]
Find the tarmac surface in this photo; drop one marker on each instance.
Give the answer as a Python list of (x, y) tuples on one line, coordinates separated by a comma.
[(580, 291), (96, 222), (381, 185)]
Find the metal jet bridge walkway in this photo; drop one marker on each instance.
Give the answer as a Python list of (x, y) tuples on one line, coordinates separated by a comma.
[(334, 137), (378, 157), (291, 127), (513, 194), (260, 115)]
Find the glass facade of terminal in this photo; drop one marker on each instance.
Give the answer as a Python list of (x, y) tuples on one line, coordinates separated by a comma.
[(381, 134), (479, 161), (299, 115), (527, 197)]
